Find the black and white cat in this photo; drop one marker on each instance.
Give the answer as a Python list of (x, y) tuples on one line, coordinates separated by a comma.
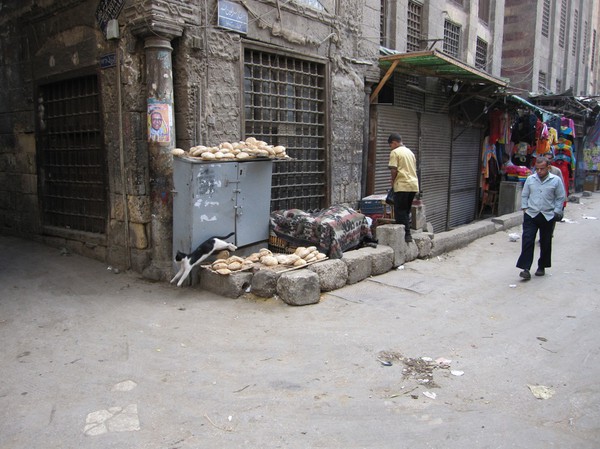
[(188, 261)]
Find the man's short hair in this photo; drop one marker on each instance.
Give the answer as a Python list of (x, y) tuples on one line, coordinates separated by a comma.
[(395, 137)]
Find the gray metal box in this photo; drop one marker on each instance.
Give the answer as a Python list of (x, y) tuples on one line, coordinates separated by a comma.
[(509, 200), (216, 198)]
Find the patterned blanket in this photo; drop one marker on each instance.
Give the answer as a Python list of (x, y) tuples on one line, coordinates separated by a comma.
[(332, 231)]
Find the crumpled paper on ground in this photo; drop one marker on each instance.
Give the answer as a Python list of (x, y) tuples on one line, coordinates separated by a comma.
[(541, 391)]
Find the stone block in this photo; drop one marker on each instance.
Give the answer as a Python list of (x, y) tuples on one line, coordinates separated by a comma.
[(137, 235), (509, 220), (264, 283), (382, 259), (418, 218), (392, 235), (299, 287), (333, 274), (359, 265), (423, 243), (230, 286)]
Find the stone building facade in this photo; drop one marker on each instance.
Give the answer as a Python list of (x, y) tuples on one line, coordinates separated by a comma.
[(77, 167)]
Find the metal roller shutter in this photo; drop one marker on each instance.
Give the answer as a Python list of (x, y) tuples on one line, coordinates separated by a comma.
[(464, 175), (435, 168), (392, 119)]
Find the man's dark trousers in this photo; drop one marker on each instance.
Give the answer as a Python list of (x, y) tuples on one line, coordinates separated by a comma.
[(402, 206), (530, 229)]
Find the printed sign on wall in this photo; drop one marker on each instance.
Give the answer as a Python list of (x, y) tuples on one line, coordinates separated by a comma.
[(159, 122)]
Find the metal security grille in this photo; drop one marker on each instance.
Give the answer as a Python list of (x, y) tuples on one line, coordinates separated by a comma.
[(481, 54), (284, 104), (575, 31), (542, 82), (451, 38), (563, 24), (383, 23), (72, 160), (546, 18), (413, 38)]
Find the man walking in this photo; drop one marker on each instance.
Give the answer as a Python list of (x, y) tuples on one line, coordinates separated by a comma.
[(542, 203), (403, 170)]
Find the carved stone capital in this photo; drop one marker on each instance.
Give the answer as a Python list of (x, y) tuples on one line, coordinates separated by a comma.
[(155, 18)]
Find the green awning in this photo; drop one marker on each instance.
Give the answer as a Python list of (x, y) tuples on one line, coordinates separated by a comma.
[(435, 64)]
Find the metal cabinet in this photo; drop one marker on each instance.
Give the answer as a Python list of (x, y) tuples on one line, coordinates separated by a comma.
[(216, 198)]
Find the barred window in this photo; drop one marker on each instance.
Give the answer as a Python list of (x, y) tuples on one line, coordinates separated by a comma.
[(558, 86), (383, 39), (481, 54), (575, 31), (413, 38), (72, 157), (451, 38), (542, 82), (593, 50), (284, 104), (586, 42), (545, 18), (563, 24)]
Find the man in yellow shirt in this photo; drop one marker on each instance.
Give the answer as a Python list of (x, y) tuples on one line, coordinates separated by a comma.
[(403, 170)]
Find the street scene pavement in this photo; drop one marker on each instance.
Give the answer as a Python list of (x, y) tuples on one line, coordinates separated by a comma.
[(452, 352)]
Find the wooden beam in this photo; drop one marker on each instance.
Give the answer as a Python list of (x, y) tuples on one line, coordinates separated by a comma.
[(384, 80)]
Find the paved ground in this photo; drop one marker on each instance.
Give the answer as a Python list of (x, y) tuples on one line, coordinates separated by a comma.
[(93, 359)]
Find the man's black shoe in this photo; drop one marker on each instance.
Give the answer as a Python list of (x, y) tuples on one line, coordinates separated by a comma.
[(540, 271), (525, 275), (408, 238)]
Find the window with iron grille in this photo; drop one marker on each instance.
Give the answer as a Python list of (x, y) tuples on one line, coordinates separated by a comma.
[(481, 54), (484, 11), (558, 86), (586, 42), (72, 159), (545, 18), (542, 82), (451, 38), (413, 37), (575, 31), (284, 104), (314, 4), (592, 63), (383, 40), (563, 24)]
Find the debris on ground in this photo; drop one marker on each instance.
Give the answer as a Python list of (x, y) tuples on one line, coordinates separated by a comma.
[(541, 391)]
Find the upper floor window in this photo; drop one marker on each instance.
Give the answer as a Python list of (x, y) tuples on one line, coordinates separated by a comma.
[(563, 24), (558, 86), (592, 63), (481, 54), (546, 18), (542, 82), (451, 38), (314, 4), (484, 10), (575, 31), (413, 37)]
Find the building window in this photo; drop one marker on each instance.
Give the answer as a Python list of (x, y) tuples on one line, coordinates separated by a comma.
[(563, 24), (484, 11), (592, 63), (586, 42), (71, 154), (451, 38), (575, 31), (314, 4), (413, 38), (542, 82), (284, 104), (558, 86), (545, 18), (481, 54)]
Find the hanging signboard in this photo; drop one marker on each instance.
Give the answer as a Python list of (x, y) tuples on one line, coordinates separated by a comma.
[(233, 16)]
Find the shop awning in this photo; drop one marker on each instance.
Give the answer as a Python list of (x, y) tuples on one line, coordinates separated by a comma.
[(518, 99), (435, 64)]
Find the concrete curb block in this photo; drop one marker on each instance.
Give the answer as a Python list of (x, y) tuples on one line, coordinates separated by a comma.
[(509, 221)]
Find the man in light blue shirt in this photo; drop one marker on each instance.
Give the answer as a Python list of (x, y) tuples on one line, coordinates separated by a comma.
[(542, 203)]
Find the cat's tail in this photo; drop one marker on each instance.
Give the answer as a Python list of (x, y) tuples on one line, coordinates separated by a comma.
[(227, 236)]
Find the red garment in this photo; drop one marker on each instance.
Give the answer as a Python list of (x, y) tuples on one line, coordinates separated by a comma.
[(564, 169)]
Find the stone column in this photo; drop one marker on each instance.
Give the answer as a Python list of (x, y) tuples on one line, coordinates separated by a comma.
[(158, 127), (159, 92)]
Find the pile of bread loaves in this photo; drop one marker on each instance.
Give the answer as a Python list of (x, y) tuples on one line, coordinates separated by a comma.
[(302, 256), (244, 149)]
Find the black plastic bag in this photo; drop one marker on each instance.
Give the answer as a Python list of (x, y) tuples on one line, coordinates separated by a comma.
[(389, 199)]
